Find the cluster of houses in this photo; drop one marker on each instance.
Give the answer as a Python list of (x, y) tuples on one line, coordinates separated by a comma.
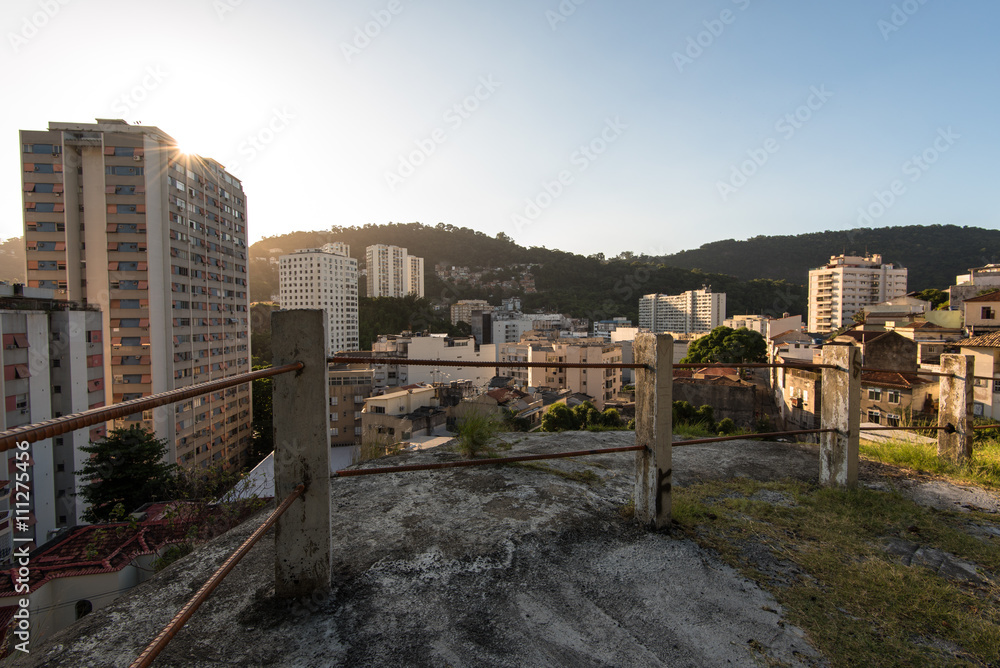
[(901, 344)]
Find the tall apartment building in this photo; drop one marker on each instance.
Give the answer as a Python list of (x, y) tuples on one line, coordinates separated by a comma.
[(53, 364), (324, 278), (846, 285), (392, 272), (116, 216), (415, 275), (691, 312), (461, 311)]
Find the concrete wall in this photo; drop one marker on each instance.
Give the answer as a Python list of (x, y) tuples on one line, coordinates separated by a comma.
[(892, 351), (729, 401)]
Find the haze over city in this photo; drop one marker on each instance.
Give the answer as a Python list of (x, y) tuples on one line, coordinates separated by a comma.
[(670, 125)]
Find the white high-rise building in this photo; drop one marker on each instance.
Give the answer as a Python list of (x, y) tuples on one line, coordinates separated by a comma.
[(116, 216), (324, 278), (393, 272), (846, 285), (688, 313)]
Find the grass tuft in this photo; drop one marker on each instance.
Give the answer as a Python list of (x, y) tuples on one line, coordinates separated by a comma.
[(476, 431), (984, 469)]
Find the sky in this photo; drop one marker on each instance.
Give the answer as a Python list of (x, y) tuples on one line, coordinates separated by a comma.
[(589, 126)]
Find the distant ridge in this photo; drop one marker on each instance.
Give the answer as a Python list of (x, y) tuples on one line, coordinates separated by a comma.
[(934, 254)]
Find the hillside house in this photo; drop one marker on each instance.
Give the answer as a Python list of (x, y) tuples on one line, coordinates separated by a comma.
[(985, 349), (982, 313)]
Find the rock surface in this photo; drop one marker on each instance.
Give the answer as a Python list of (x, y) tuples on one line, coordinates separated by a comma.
[(486, 566)]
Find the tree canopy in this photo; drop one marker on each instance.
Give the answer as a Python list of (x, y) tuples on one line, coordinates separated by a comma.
[(727, 345), (126, 467)]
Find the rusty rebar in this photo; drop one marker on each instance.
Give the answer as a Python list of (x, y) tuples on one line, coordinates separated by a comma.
[(345, 359), (74, 421), (160, 642)]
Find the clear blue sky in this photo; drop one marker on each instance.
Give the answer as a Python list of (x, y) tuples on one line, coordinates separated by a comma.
[(669, 123)]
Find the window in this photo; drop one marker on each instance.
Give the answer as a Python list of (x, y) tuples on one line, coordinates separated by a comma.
[(892, 420), (42, 148), (988, 313), (874, 417), (378, 409), (893, 396), (875, 394), (123, 170)]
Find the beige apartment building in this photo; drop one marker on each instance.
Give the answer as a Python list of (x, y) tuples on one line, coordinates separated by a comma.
[(350, 386), (393, 272), (601, 384), (461, 311), (848, 283), (115, 216)]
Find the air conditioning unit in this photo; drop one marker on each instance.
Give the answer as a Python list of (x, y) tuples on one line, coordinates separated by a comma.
[(137, 158)]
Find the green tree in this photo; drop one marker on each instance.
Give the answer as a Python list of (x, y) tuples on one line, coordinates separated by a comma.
[(727, 345), (559, 418), (262, 435), (937, 298), (126, 467)]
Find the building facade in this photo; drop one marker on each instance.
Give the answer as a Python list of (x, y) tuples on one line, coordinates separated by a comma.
[(393, 272), (461, 311), (691, 312), (53, 365), (324, 278), (116, 216), (350, 386), (848, 283)]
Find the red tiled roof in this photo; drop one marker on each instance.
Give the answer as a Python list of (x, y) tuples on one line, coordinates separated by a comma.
[(991, 340), (106, 548), (504, 394), (988, 297), (893, 379)]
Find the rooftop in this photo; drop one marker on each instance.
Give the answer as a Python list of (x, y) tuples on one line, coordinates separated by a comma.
[(500, 566)]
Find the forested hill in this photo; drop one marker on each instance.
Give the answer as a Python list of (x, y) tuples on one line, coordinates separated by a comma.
[(934, 254), (587, 287)]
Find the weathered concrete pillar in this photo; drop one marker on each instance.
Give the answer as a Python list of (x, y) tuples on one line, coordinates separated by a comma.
[(955, 407), (302, 535), (653, 428), (840, 410)]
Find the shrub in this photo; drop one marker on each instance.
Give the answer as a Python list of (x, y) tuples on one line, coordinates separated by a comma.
[(475, 431), (726, 427)]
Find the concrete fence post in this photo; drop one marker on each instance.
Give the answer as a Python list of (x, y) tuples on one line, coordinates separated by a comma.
[(653, 428), (302, 536), (955, 407), (840, 410)]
